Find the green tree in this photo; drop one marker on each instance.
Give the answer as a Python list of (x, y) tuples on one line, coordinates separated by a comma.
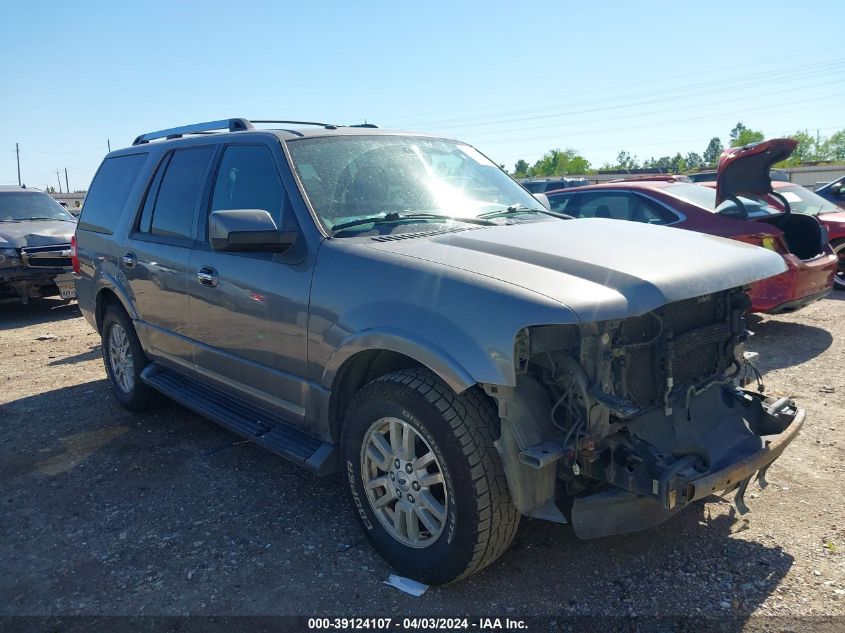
[(694, 161), (806, 150), (664, 163), (743, 135), (559, 163), (834, 147), (520, 170), (625, 161), (713, 151)]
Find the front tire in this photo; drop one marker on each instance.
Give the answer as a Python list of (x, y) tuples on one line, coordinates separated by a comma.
[(426, 482), (124, 359)]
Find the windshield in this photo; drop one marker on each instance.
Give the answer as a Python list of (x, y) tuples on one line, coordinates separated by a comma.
[(705, 197), (18, 206), (803, 200), (352, 177)]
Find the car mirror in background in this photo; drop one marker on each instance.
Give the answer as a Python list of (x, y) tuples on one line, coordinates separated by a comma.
[(247, 230), (544, 200), (836, 190)]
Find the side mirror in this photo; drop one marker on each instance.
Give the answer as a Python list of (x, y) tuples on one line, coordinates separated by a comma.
[(247, 230), (544, 200), (836, 190)]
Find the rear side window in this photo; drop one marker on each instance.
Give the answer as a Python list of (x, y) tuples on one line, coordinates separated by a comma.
[(176, 192), (109, 191), (248, 179), (604, 205)]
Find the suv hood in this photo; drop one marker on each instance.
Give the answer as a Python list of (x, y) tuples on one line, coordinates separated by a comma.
[(601, 269), (744, 171), (35, 233)]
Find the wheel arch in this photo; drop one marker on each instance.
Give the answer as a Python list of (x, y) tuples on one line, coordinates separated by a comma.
[(375, 354), (109, 292)]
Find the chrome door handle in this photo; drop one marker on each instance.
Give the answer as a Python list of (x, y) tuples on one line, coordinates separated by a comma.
[(129, 260), (207, 276)]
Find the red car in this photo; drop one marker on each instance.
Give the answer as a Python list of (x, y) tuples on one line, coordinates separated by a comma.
[(726, 212), (832, 217), (802, 200)]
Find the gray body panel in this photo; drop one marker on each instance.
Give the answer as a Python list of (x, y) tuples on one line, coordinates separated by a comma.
[(452, 302), (631, 269)]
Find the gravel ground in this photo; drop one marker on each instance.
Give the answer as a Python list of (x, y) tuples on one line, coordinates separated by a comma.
[(106, 512)]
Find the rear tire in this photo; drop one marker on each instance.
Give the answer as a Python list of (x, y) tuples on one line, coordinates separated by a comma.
[(839, 277), (428, 455), (124, 359)]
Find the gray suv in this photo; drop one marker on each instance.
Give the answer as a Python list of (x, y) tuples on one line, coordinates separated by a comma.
[(394, 307)]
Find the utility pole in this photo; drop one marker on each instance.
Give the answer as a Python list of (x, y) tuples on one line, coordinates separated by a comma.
[(18, 153), (59, 180), (67, 186)]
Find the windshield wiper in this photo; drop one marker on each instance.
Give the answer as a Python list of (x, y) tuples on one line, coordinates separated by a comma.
[(397, 217), (521, 208)]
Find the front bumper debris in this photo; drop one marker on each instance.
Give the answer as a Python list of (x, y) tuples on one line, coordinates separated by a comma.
[(771, 425)]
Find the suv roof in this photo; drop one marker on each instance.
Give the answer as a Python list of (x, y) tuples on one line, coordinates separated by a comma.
[(235, 125)]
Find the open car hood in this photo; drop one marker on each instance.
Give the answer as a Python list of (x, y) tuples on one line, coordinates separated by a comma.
[(744, 171)]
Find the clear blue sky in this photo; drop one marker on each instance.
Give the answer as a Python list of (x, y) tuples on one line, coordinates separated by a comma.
[(513, 78)]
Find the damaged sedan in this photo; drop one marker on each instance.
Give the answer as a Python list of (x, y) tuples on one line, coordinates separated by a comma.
[(35, 235)]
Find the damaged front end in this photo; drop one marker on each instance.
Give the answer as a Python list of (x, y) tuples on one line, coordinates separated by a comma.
[(633, 419)]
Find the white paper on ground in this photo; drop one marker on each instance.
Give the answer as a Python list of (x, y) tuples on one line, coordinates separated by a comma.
[(407, 585)]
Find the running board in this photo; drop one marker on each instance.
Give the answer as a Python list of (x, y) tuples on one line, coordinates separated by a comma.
[(248, 421)]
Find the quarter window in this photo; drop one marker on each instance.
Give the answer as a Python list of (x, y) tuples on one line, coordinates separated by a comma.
[(109, 191), (560, 203)]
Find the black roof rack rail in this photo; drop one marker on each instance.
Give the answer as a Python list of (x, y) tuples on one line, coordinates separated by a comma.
[(330, 126), (233, 125)]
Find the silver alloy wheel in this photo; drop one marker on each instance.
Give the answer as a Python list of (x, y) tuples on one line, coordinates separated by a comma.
[(120, 358), (404, 482), (839, 277)]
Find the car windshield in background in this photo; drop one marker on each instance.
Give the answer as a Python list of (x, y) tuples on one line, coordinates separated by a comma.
[(20, 206), (354, 177), (705, 197), (803, 200)]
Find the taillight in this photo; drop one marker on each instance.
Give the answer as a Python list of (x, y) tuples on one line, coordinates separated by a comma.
[(775, 243), (74, 258)]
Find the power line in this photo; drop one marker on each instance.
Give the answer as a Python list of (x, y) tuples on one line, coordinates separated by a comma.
[(791, 89), (501, 139), (721, 83), (628, 104)]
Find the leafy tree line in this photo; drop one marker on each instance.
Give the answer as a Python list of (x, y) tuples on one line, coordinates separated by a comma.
[(559, 162)]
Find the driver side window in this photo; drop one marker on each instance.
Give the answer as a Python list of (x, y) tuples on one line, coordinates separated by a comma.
[(248, 179)]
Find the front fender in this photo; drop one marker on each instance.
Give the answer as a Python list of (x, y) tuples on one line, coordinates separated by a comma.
[(425, 352)]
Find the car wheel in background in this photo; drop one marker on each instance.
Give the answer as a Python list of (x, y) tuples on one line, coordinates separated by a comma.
[(839, 278), (426, 482), (124, 360)]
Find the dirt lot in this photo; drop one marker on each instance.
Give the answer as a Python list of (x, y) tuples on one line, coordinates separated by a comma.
[(105, 512)]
